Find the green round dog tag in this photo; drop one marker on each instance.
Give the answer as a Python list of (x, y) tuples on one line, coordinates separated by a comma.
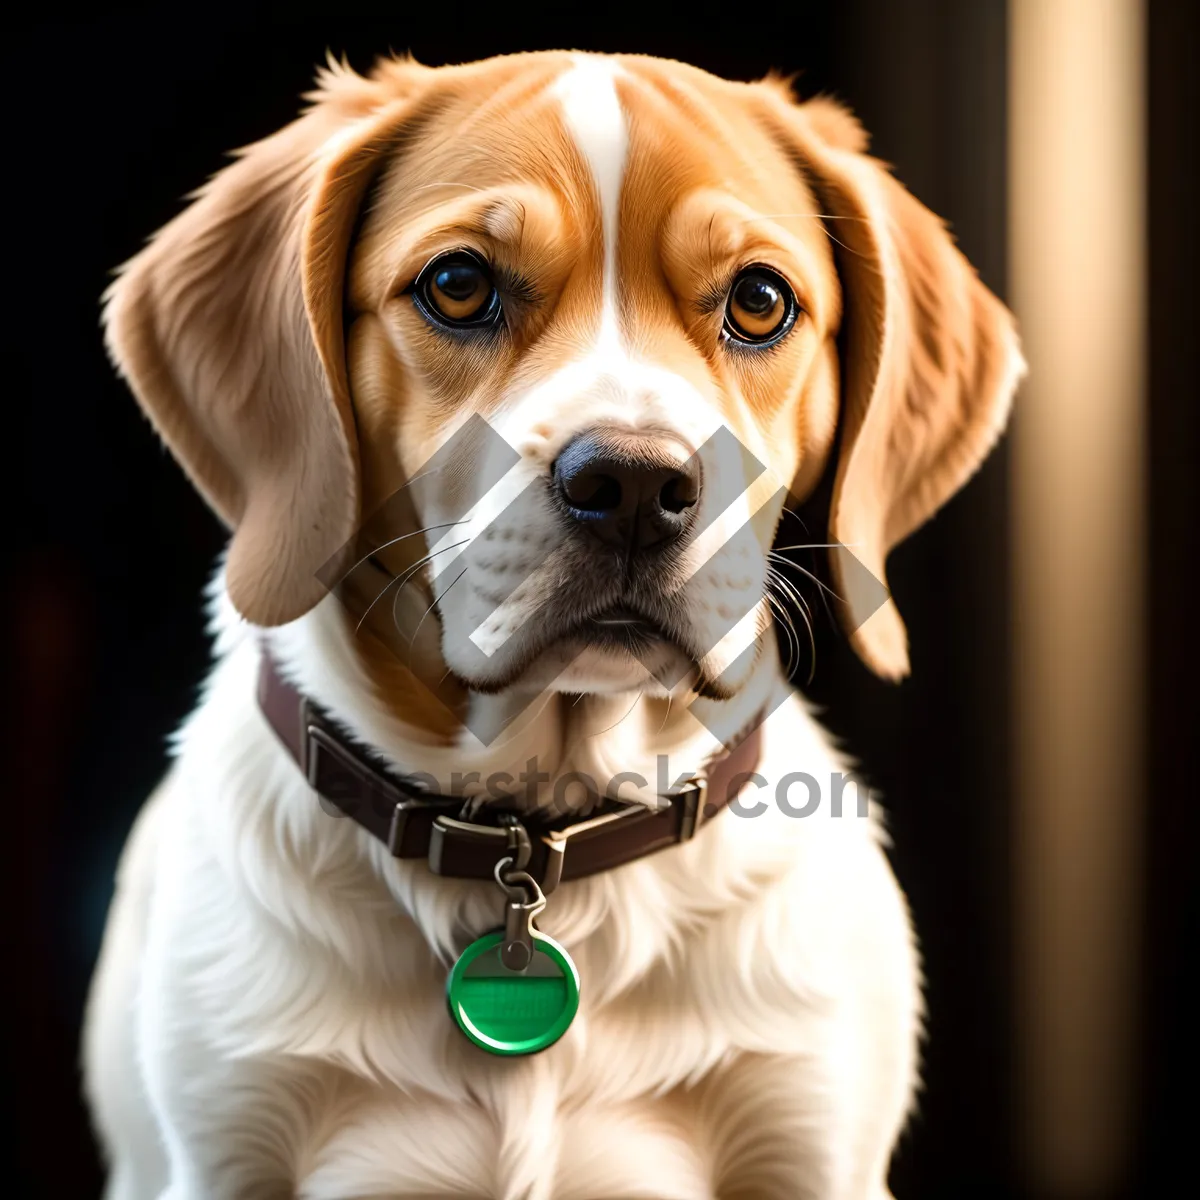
[(513, 1012)]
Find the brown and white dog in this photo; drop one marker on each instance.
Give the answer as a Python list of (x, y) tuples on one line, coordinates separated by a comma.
[(608, 259)]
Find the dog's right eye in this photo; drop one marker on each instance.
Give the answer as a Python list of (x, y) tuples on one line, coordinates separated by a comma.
[(761, 307), (456, 291)]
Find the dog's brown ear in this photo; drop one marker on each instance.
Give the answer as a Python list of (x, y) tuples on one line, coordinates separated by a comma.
[(228, 328), (930, 362)]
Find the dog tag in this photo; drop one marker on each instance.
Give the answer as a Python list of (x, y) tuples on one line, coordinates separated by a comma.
[(513, 1012)]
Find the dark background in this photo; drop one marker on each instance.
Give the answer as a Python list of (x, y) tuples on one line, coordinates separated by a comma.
[(114, 114)]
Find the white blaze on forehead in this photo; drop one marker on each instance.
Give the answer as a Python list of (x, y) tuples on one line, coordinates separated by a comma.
[(605, 384), (593, 114)]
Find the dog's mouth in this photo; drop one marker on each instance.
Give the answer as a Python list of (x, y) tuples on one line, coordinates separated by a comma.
[(622, 633), (617, 633), (620, 628)]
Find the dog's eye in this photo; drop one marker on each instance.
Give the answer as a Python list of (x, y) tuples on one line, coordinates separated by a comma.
[(761, 307), (457, 290)]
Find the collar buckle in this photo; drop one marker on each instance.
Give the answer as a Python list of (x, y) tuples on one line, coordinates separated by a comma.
[(557, 841)]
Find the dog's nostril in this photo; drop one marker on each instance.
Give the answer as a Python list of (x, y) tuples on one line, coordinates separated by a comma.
[(592, 492), (678, 493), (627, 490)]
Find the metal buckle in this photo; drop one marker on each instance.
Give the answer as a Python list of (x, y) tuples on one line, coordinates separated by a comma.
[(447, 829), (557, 840), (412, 804), (509, 839)]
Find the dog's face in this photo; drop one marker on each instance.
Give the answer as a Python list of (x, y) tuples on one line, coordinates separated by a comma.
[(659, 290), (610, 262)]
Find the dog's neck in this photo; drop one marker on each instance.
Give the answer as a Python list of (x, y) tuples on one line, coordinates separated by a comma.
[(535, 750)]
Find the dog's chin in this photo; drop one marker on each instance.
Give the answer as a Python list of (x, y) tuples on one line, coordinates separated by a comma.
[(600, 670), (601, 656), (578, 666)]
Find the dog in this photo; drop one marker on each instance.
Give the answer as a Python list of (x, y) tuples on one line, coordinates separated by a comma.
[(660, 308)]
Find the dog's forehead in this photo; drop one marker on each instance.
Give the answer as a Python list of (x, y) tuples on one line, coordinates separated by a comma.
[(618, 141)]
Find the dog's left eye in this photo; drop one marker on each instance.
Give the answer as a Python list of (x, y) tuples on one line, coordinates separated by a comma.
[(761, 307), (457, 290)]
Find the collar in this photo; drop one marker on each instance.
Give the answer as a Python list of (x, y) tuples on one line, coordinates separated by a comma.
[(414, 822)]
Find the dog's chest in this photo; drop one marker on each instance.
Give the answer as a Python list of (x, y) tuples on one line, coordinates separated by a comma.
[(528, 1148), (645, 1081), (675, 1017), (297, 961)]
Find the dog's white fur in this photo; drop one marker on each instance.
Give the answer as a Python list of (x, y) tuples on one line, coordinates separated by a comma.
[(274, 981), (268, 1017)]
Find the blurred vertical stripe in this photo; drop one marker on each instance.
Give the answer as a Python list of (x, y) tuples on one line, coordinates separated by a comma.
[(1077, 271)]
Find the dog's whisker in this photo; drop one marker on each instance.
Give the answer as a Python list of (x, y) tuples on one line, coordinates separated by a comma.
[(806, 617), (404, 577), (779, 607), (812, 646), (793, 646), (792, 593), (779, 602), (404, 537), (791, 512), (787, 586), (435, 601), (774, 577), (784, 620), (804, 570)]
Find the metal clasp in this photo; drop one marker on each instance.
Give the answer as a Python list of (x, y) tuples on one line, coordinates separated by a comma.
[(520, 848), (524, 900)]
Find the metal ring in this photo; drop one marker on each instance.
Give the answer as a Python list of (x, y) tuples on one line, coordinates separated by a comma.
[(518, 839), (502, 865), (519, 886)]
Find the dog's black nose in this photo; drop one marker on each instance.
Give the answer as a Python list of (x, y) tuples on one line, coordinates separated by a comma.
[(627, 489)]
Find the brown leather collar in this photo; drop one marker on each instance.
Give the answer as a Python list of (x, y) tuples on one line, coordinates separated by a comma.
[(413, 822)]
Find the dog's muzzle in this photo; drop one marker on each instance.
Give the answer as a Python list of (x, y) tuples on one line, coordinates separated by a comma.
[(629, 491)]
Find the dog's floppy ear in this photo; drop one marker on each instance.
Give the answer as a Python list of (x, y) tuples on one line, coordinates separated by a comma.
[(930, 362), (228, 328)]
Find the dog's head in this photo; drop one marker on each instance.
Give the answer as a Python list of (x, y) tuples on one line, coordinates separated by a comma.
[(668, 297)]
